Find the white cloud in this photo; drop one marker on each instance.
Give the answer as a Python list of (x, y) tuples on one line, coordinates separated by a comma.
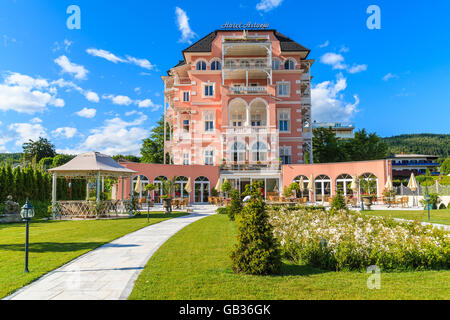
[(88, 94), (344, 49), (105, 55), (148, 103), (24, 94), (328, 101), (120, 100), (67, 132), (78, 71), (333, 59), (116, 136), (87, 113), (267, 5), (357, 68), (390, 76), (143, 63), (183, 25), (65, 45), (325, 44), (27, 131), (36, 120), (91, 96)]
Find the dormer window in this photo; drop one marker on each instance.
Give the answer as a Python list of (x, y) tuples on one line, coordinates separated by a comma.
[(201, 65)]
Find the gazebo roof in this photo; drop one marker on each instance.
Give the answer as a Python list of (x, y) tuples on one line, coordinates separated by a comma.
[(91, 163)]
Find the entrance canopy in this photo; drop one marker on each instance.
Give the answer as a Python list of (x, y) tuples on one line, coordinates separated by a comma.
[(91, 164)]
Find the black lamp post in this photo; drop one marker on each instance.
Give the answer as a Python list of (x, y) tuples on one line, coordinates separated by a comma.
[(27, 213), (427, 197)]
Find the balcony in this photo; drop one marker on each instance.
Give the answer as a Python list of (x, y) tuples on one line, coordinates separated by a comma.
[(247, 64), (417, 164), (249, 90)]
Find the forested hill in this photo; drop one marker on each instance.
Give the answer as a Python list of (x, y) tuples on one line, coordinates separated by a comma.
[(13, 157), (431, 144)]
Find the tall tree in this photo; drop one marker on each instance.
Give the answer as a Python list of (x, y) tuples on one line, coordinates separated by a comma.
[(326, 146), (152, 150), (39, 149)]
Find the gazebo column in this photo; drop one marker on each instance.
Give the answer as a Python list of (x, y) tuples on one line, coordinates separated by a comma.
[(123, 189), (53, 195), (98, 186), (87, 189)]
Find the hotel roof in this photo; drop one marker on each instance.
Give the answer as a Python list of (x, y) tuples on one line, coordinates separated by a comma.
[(204, 44)]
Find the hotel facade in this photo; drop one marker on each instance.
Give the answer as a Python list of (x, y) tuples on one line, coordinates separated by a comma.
[(238, 107)]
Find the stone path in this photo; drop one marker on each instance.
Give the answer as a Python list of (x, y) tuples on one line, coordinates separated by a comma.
[(108, 272)]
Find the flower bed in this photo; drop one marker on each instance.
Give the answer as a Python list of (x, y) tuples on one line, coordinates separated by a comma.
[(350, 241)]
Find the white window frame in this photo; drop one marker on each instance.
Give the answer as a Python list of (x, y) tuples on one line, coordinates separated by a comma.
[(184, 96), (286, 151), (279, 83), (208, 154), (201, 60), (186, 159), (279, 63), (209, 116), (204, 84), (213, 61), (281, 112), (293, 61), (189, 125)]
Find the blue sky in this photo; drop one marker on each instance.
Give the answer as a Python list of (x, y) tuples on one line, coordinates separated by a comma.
[(99, 88)]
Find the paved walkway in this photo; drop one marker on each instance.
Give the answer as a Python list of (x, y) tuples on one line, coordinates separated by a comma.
[(108, 272)]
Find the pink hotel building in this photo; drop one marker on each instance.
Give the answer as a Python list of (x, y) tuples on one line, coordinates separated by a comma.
[(238, 107)]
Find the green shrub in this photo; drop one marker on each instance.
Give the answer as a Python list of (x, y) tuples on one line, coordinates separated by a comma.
[(40, 209), (257, 251), (338, 202), (222, 210), (214, 192), (442, 207), (235, 207)]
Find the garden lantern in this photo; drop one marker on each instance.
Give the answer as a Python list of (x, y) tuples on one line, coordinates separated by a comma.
[(27, 213)]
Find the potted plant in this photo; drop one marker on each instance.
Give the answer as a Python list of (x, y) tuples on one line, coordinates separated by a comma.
[(432, 203), (167, 187), (367, 200), (226, 187)]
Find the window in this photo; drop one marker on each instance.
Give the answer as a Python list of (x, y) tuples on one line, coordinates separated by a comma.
[(186, 96), (286, 155), (284, 120), (256, 119), (259, 151), (201, 65), (245, 64), (259, 64), (216, 65), (209, 157), (208, 90), (238, 152), (186, 159), (283, 89), (208, 117), (186, 125), (276, 65), (289, 64)]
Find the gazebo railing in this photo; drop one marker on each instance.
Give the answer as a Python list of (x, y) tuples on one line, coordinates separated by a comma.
[(88, 209)]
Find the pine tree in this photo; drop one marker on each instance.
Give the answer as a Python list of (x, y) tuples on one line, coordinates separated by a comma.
[(257, 251)]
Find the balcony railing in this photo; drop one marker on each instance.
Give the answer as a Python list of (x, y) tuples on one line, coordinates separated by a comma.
[(417, 164), (248, 90), (243, 64)]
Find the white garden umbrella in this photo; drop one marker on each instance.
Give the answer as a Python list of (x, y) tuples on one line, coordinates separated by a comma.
[(310, 186), (218, 185), (389, 186), (412, 184), (301, 184), (188, 187), (138, 186)]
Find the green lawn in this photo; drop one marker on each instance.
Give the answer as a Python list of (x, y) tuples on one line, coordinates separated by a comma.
[(436, 216), (54, 243), (195, 264)]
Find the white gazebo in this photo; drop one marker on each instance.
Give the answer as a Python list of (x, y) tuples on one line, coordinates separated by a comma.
[(90, 165)]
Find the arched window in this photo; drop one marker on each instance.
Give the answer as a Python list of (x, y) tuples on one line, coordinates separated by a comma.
[(303, 193), (344, 184), (216, 65), (259, 151), (144, 182), (238, 152), (179, 186), (158, 182), (276, 65), (201, 190), (322, 188), (368, 183), (201, 65), (289, 64)]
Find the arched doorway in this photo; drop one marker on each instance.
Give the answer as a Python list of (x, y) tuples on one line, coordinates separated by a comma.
[(158, 182), (343, 183), (305, 193), (179, 185), (144, 182), (201, 190), (368, 184), (322, 188)]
